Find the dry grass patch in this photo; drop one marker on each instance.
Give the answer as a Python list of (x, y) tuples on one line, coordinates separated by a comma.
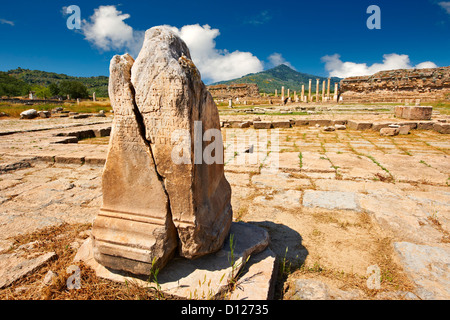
[(60, 239)]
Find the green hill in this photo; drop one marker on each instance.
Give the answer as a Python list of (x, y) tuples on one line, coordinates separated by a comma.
[(275, 78), (10, 86), (99, 84)]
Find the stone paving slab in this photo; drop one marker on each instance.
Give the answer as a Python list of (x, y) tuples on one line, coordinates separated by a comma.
[(14, 266), (413, 207), (331, 200), (429, 268)]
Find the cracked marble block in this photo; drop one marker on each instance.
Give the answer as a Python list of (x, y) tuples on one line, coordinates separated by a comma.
[(153, 207)]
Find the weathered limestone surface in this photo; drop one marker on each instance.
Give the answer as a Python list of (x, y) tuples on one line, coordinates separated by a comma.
[(134, 225), (151, 205), (428, 267), (171, 96)]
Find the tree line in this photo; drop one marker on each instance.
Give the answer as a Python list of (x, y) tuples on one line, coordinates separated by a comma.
[(13, 87)]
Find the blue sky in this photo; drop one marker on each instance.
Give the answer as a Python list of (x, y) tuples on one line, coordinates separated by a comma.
[(230, 38)]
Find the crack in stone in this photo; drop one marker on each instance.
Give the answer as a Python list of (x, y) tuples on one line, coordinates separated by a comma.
[(142, 132)]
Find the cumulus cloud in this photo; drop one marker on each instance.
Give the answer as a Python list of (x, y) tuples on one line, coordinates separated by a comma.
[(445, 5), (3, 21), (337, 68), (425, 65), (107, 31), (215, 64), (275, 59)]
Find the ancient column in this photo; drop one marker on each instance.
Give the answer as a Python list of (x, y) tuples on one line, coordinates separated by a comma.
[(276, 93), (328, 89), (289, 93), (309, 91), (295, 96), (323, 91), (94, 98), (335, 96), (303, 93), (282, 94), (163, 189), (317, 89)]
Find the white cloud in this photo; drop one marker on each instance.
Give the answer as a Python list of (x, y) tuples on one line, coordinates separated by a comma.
[(425, 65), (3, 21), (108, 31), (215, 64), (337, 68), (445, 5), (275, 59)]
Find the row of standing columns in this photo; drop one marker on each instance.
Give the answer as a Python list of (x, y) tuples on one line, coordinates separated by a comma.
[(310, 97)]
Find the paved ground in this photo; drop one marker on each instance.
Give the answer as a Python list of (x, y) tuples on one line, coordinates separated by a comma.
[(336, 202)]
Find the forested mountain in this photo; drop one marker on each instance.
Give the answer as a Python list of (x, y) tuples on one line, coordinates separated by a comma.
[(98, 84), (282, 75)]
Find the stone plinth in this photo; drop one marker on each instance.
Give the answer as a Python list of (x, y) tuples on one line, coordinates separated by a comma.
[(209, 276), (414, 112)]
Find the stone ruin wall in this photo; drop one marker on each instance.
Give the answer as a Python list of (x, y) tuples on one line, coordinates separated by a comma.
[(233, 91), (399, 86)]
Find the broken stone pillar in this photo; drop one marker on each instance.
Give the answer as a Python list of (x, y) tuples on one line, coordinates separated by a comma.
[(152, 204), (230, 103), (295, 96), (289, 92), (282, 94), (94, 97), (276, 93), (303, 93), (134, 225), (317, 89), (309, 91)]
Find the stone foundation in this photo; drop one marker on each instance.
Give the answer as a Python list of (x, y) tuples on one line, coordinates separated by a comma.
[(401, 86)]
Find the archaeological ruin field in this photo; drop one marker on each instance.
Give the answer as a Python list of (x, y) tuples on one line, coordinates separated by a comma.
[(339, 201)]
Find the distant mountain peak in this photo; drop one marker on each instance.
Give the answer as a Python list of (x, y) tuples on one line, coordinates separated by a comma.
[(282, 67), (281, 76)]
